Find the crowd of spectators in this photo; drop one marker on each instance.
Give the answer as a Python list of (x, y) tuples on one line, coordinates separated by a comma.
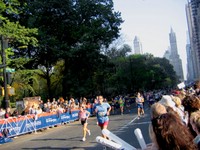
[(175, 120), (59, 106), (119, 104)]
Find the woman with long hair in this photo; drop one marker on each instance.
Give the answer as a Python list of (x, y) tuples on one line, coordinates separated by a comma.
[(171, 133)]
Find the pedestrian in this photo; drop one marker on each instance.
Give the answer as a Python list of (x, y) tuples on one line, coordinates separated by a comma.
[(140, 106), (83, 117), (102, 110), (128, 104), (121, 104), (113, 105)]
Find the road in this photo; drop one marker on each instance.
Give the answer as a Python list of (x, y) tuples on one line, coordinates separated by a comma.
[(68, 136)]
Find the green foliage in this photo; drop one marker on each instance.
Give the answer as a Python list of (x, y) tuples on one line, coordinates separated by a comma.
[(73, 31), (24, 82), (114, 52), (60, 48), (13, 30), (144, 72), (12, 104)]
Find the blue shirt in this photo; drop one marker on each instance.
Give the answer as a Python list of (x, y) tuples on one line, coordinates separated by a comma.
[(102, 112)]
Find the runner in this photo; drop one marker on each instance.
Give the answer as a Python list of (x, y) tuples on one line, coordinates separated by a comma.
[(140, 101), (83, 116), (113, 106), (102, 110), (121, 104)]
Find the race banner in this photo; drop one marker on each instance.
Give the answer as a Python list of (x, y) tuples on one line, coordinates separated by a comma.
[(31, 123)]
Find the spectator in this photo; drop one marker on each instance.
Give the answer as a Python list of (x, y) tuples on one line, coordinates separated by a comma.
[(60, 109), (15, 113), (195, 122), (2, 113), (167, 101), (128, 104), (84, 104), (32, 109), (72, 105), (191, 104), (94, 105), (41, 104), (54, 102), (197, 87), (53, 108), (76, 102), (48, 103), (66, 106), (46, 108), (38, 110), (171, 133), (180, 109), (157, 109), (71, 100), (7, 113)]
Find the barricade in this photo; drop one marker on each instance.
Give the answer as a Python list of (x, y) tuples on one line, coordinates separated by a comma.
[(31, 123)]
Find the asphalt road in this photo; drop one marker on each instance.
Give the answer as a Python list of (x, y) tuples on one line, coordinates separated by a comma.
[(69, 136)]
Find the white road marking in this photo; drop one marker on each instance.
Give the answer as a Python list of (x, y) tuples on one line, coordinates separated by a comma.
[(131, 122)]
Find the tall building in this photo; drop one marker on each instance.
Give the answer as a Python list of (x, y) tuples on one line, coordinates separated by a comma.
[(193, 21), (137, 46), (167, 53), (190, 64), (174, 58)]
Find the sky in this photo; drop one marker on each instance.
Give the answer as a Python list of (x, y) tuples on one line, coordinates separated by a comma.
[(151, 21)]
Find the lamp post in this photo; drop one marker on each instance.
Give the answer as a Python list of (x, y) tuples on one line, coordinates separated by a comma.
[(3, 56)]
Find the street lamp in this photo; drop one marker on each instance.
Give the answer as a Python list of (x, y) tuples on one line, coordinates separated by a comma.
[(3, 56)]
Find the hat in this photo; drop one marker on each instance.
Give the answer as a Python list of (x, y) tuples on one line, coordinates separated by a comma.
[(166, 100), (176, 92)]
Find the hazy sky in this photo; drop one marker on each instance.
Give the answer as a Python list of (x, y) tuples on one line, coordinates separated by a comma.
[(151, 21)]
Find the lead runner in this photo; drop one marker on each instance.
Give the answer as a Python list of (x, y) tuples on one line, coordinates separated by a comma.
[(102, 110)]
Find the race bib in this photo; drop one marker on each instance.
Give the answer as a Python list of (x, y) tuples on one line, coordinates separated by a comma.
[(101, 114)]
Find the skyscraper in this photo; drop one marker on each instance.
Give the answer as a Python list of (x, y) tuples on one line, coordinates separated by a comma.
[(137, 46), (174, 57), (190, 62), (193, 15)]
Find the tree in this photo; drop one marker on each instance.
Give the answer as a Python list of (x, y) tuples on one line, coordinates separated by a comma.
[(115, 52), (74, 31), (141, 72), (11, 31)]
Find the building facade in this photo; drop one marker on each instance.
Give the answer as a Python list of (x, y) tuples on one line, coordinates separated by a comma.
[(193, 49), (190, 62), (137, 46), (172, 55)]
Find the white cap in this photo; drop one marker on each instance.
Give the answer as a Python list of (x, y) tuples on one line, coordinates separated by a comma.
[(166, 100)]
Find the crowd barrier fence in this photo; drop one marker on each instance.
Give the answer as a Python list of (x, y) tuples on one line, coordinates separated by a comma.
[(31, 123)]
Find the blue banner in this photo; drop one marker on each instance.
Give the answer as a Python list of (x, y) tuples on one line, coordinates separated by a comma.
[(31, 123)]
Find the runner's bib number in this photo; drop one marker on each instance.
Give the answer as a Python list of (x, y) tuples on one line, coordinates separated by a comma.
[(101, 114)]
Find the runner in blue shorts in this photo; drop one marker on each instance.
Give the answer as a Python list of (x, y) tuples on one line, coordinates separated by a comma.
[(139, 100)]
